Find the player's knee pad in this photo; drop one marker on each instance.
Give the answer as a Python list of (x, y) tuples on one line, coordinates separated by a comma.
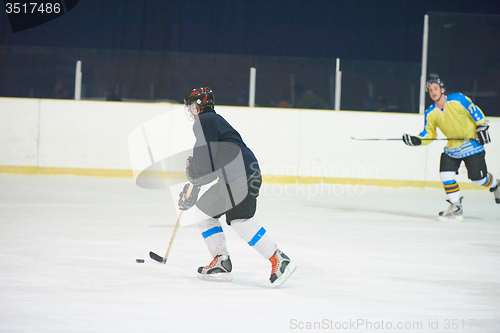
[(255, 235), (203, 220), (486, 181), (246, 228), (212, 233), (447, 176)]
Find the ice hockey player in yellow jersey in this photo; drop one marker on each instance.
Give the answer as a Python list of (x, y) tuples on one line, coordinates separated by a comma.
[(458, 118)]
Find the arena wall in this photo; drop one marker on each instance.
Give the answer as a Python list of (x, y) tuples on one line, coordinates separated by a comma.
[(95, 138)]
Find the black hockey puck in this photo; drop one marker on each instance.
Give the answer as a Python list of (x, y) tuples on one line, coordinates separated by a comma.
[(140, 261)]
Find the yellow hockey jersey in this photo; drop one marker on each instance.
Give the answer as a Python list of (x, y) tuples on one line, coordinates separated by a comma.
[(458, 119)]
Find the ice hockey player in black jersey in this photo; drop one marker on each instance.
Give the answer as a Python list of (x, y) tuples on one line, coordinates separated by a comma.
[(221, 156)]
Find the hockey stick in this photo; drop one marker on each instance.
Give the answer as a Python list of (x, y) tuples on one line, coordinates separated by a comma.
[(394, 139), (163, 260)]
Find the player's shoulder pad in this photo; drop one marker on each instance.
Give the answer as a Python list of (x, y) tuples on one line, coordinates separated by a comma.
[(430, 109), (457, 97)]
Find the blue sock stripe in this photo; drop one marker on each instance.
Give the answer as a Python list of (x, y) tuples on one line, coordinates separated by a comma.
[(257, 236), (211, 231), (449, 182)]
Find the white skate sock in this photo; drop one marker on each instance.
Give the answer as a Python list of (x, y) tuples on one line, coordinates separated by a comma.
[(255, 235), (450, 186), (488, 181), (212, 232)]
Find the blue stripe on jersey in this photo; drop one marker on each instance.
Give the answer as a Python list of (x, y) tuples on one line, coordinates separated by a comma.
[(429, 110), (211, 231), (472, 108), (257, 236), (468, 148)]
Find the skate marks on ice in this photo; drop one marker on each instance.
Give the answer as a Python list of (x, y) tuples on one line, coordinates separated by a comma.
[(355, 210), (490, 247), (397, 204), (258, 281), (380, 212), (492, 288)]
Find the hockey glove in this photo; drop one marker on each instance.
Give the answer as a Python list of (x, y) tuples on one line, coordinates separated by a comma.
[(192, 174), (410, 140), (483, 136), (186, 203), (195, 177)]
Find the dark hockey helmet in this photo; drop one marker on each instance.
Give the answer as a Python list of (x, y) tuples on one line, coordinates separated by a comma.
[(202, 96), (434, 80)]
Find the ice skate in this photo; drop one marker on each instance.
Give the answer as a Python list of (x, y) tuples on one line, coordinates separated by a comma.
[(218, 270), (282, 268), (496, 191), (454, 212)]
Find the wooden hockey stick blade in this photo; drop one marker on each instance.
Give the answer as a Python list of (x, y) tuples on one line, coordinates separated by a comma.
[(156, 257), (163, 260)]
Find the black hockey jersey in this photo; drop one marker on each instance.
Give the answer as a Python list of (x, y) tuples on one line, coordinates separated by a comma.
[(220, 149)]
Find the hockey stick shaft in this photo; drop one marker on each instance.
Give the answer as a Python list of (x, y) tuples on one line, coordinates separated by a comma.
[(399, 139), (163, 260)]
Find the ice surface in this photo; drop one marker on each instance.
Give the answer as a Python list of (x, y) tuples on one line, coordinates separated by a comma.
[(365, 256)]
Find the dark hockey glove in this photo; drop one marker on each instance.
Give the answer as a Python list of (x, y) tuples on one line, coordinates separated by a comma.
[(187, 202), (192, 175), (195, 177), (483, 136), (410, 140)]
